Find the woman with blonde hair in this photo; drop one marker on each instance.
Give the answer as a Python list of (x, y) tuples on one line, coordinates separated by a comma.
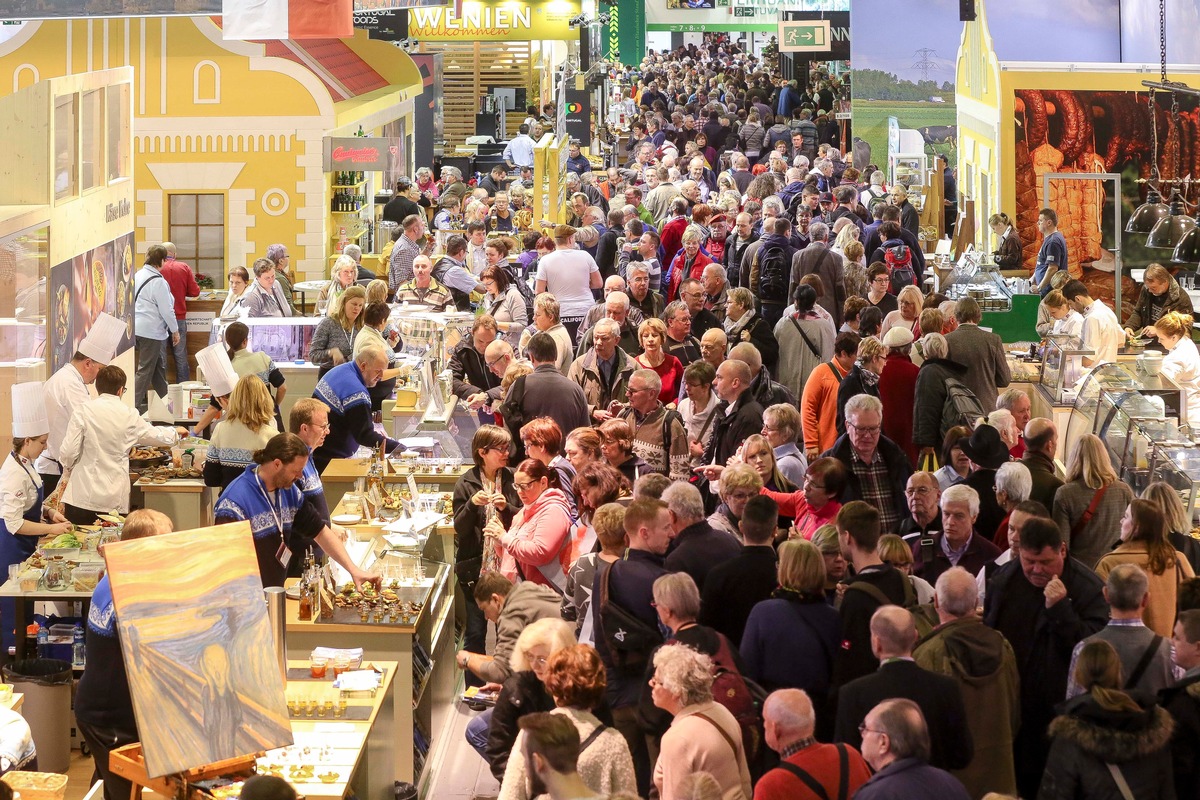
[(1103, 738), (1179, 525), (703, 734), (863, 377), (1089, 506), (652, 335), (758, 453), (377, 291), (1182, 362), (247, 425), (1144, 543), (739, 482), (895, 551), (341, 278), (575, 679), (333, 340), (791, 639), (908, 313), (854, 268), (493, 732)]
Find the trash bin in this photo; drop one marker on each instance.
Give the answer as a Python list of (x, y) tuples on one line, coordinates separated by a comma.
[(46, 684)]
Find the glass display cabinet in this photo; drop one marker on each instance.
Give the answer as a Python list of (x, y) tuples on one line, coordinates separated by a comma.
[(286, 340), (1062, 366), (410, 585), (976, 275), (1177, 463)]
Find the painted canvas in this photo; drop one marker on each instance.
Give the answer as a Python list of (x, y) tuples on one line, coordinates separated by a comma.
[(198, 648)]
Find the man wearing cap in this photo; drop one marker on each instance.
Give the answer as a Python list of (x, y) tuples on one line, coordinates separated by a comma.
[(96, 446), (154, 325), (987, 453), (67, 389), (344, 390), (23, 518)]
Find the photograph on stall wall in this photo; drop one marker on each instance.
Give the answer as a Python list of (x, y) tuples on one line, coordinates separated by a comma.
[(910, 74), (1064, 131), (100, 280), (199, 651)]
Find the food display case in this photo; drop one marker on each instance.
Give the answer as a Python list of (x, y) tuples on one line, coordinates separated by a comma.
[(1062, 366), (1177, 463), (1128, 410), (909, 169), (285, 339), (976, 275)]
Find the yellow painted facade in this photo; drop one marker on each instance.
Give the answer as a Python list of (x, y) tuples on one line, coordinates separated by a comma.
[(217, 117)]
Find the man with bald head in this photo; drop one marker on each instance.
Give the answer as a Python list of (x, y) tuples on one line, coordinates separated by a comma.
[(616, 308), (713, 345), (896, 743), (498, 357), (893, 635), (767, 392), (344, 390), (981, 661), (924, 514), (789, 729), (1041, 446), (737, 416)]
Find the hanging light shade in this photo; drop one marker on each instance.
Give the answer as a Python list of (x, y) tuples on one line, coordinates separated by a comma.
[(1187, 249), (1147, 214), (1170, 229)]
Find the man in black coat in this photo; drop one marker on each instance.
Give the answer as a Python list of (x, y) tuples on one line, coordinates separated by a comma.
[(737, 416), (545, 392), (877, 469), (469, 374), (1044, 603), (893, 635), (874, 240), (1183, 702), (696, 546), (732, 588)]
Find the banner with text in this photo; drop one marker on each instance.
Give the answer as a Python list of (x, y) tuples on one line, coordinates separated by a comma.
[(625, 33), (488, 22)]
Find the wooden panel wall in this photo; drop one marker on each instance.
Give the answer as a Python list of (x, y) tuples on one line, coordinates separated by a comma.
[(469, 69)]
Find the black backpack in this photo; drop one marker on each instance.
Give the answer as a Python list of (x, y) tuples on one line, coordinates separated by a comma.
[(961, 406), (774, 273), (631, 642), (522, 287)]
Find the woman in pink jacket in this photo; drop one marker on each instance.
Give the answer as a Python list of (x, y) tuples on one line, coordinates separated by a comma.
[(536, 547)]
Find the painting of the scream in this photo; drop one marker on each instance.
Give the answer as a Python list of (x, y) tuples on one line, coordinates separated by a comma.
[(198, 648)]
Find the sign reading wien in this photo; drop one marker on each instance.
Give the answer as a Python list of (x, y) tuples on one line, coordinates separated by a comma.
[(478, 22)]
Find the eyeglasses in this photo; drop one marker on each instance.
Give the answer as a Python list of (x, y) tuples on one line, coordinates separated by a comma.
[(742, 495), (810, 482), (632, 390), (863, 730), (920, 491), (521, 487), (536, 661), (491, 364), (869, 430)]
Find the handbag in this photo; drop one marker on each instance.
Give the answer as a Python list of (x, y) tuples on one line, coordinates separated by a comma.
[(928, 463)]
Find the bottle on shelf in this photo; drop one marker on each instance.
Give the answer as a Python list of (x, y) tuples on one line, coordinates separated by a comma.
[(78, 649), (43, 642)]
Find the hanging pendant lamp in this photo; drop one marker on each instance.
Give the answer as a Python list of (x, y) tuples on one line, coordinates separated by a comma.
[(1170, 229), (1147, 214)]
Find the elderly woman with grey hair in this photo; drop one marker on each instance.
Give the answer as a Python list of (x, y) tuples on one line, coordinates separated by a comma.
[(704, 736), (929, 396), (1013, 486), (277, 254)]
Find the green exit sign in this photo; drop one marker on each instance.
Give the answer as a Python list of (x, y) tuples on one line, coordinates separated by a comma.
[(808, 36), (743, 11)]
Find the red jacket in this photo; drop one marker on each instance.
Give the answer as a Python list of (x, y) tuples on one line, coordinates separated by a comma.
[(671, 238), (897, 385), (677, 276), (182, 282)]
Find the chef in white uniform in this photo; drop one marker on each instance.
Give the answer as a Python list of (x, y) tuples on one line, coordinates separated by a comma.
[(22, 516), (67, 389), (95, 449)]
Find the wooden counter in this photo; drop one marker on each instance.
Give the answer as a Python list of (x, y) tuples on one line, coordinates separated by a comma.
[(187, 501), (425, 703), (363, 752)]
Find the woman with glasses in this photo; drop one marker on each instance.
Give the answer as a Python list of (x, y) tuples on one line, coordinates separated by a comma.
[(524, 692), (543, 440), (616, 444), (825, 539), (815, 503), (879, 284), (697, 407), (739, 482), (536, 547), (908, 311), (791, 639), (863, 377), (483, 493), (503, 299)]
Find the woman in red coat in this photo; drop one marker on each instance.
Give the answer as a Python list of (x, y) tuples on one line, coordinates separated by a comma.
[(897, 386), (689, 262)]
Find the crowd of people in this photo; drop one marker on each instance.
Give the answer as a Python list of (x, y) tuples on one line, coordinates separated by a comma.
[(751, 514)]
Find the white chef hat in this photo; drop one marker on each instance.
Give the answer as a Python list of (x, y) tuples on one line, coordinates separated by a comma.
[(29, 410), (218, 372), (103, 339)]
